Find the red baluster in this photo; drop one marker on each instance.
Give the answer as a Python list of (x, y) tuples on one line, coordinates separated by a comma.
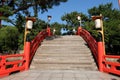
[(27, 54), (100, 56)]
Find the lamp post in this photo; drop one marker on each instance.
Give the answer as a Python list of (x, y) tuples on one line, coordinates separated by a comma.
[(28, 26), (99, 27), (49, 18), (48, 27), (79, 19), (79, 28)]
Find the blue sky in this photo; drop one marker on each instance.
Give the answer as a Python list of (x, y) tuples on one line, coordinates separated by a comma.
[(73, 5)]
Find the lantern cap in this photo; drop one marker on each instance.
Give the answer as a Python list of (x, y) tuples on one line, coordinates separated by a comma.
[(97, 17), (49, 17), (31, 18)]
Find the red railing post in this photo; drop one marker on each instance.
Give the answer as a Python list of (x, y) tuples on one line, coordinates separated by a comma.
[(100, 56), (48, 31), (27, 54), (79, 30)]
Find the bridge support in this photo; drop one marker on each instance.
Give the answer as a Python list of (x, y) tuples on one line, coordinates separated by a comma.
[(27, 52), (100, 56)]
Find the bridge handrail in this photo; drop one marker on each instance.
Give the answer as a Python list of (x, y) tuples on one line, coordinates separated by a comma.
[(8, 67), (90, 41), (36, 42), (112, 65), (107, 65)]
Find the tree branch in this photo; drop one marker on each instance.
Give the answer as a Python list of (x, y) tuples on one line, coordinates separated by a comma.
[(23, 8)]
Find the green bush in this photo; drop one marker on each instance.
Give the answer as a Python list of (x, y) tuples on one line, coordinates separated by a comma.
[(8, 39)]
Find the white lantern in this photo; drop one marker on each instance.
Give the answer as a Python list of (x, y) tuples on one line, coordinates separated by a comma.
[(98, 24), (29, 24), (78, 17)]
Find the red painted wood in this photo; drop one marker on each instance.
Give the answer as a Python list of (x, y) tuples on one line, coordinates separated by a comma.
[(100, 56), (97, 51)]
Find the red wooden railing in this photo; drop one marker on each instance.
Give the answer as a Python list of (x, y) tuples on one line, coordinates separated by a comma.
[(111, 66), (90, 41), (97, 49), (8, 67), (19, 62), (36, 42)]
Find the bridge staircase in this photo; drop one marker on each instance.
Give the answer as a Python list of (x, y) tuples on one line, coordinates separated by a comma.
[(63, 53), (68, 56)]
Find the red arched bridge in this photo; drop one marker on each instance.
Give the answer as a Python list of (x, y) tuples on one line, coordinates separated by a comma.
[(69, 51)]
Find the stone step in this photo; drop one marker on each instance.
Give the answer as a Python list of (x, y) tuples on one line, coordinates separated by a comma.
[(48, 66), (64, 41), (63, 52), (62, 44), (64, 48), (68, 46), (63, 61), (63, 55), (43, 50), (66, 37), (56, 58)]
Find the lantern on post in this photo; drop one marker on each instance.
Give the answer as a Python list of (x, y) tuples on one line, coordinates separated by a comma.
[(79, 27), (99, 27), (98, 22), (29, 25), (49, 18), (48, 30), (79, 19)]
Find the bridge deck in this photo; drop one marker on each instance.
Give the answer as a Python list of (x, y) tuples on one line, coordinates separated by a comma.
[(60, 75)]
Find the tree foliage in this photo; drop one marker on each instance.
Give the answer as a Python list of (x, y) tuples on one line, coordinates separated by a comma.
[(20, 9), (8, 39), (57, 26), (111, 21), (111, 25), (14, 6), (71, 18)]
